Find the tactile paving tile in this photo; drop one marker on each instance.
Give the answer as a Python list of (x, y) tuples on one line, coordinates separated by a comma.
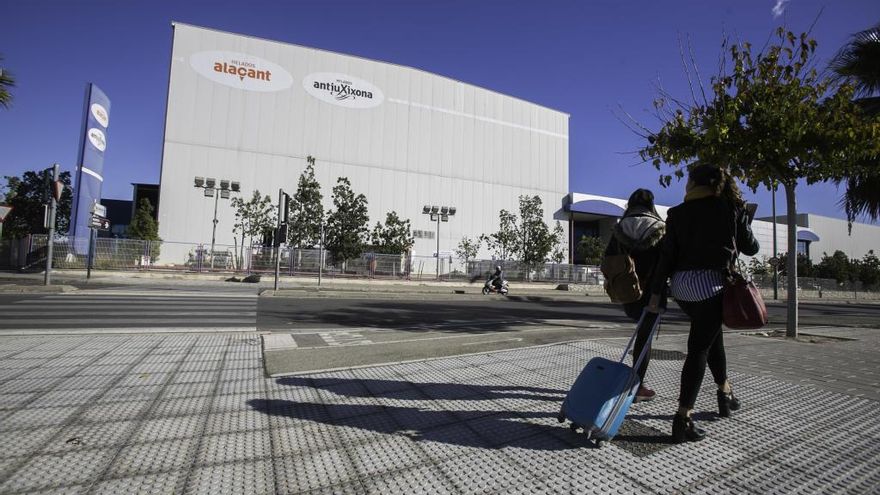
[(232, 447), (244, 478), (181, 407), (323, 469), (366, 428), (90, 436), (205, 365), (29, 385), (240, 387), (86, 382), (36, 417), (117, 411), (46, 372), (446, 442), (391, 454), (426, 480), (239, 421), (187, 390), (45, 472), (104, 370), (14, 443), (9, 402), (57, 398), (152, 457), (501, 429), (236, 402), (169, 428), (193, 377), (303, 439), (10, 373), (236, 374), (124, 394), (482, 472), (159, 483), (417, 419), (143, 379)]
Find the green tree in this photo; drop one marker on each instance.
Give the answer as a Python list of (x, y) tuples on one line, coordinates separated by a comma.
[(769, 118), (591, 248), (255, 217), (858, 63), (503, 243), (759, 267), (346, 233), (467, 249), (535, 240), (395, 237), (27, 195), (805, 267), (306, 210), (144, 226), (836, 266), (7, 81), (869, 271)]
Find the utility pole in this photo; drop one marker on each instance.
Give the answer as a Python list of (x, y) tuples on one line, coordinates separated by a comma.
[(53, 210), (775, 249), (321, 255), (281, 232)]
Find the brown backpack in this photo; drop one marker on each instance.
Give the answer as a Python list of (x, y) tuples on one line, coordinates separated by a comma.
[(621, 281)]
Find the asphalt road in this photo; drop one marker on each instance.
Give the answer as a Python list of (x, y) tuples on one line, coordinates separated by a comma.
[(317, 333)]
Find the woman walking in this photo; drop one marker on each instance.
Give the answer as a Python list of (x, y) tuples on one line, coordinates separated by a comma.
[(704, 236), (638, 234)]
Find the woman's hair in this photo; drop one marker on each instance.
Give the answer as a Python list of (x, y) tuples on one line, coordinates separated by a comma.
[(641, 199), (719, 180), (730, 191)]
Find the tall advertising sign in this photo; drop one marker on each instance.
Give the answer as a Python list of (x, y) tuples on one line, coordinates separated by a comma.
[(90, 166)]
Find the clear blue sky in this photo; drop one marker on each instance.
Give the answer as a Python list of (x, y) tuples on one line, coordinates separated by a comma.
[(585, 58)]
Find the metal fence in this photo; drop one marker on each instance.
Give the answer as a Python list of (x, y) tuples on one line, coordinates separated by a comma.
[(135, 254)]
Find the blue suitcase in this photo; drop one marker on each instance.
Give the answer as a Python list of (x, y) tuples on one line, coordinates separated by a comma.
[(600, 397)]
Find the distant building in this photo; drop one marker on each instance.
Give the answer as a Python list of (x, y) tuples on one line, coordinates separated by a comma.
[(818, 235)]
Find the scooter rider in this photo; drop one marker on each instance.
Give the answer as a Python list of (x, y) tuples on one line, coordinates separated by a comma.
[(497, 278)]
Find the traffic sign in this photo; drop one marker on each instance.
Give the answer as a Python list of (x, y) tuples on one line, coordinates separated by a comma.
[(99, 222), (99, 209), (57, 190), (4, 212)]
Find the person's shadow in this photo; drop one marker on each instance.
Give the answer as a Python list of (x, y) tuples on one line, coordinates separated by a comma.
[(477, 427)]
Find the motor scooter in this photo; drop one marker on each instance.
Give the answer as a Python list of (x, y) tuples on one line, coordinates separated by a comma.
[(490, 288)]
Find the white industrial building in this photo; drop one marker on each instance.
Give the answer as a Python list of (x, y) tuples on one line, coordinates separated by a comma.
[(250, 110)]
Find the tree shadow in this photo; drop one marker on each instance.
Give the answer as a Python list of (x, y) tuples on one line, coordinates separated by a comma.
[(406, 390)]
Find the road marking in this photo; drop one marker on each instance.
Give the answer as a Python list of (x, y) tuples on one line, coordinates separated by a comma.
[(344, 338), (126, 330), (517, 339), (278, 342)]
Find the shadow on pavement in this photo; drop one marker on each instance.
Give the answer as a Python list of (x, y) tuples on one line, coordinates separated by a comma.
[(469, 428)]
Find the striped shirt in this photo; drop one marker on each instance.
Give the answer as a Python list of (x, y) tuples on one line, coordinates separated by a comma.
[(696, 285)]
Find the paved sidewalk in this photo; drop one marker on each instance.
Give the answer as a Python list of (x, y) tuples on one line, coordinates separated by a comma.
[(194, 414)]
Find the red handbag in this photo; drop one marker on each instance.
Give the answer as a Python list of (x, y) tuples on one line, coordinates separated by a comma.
[(743, 307)]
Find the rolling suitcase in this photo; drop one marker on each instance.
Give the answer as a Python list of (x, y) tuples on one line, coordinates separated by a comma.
[(602, 393)]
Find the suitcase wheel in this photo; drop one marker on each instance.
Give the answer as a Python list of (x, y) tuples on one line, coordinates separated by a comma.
[(600, 443), (561, 416), (574, 427)]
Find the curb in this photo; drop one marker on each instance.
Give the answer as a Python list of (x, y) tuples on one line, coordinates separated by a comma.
[(30, 289)]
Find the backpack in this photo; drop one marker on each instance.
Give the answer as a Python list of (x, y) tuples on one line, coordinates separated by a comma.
[(621, 281)]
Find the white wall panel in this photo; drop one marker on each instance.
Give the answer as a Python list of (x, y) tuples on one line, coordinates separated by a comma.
[(432, 140)]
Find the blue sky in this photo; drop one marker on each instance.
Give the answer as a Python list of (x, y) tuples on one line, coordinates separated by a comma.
[(586, 58)]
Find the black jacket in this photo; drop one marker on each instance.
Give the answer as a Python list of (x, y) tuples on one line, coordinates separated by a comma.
[(703, 234)]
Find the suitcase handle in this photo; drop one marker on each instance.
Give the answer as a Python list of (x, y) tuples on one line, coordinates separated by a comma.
[(636, 333)]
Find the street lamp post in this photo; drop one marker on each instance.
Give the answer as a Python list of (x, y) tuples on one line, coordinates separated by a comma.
[(226, 186), (438, 214)]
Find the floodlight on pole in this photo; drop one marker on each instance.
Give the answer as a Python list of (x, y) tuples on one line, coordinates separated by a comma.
[(208, 185), (438, 214)]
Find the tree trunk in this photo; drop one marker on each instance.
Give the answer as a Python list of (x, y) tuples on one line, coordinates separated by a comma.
[(791, 327)]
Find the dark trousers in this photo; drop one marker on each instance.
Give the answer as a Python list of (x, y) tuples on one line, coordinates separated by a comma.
[(634, 310), (705, 346)]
